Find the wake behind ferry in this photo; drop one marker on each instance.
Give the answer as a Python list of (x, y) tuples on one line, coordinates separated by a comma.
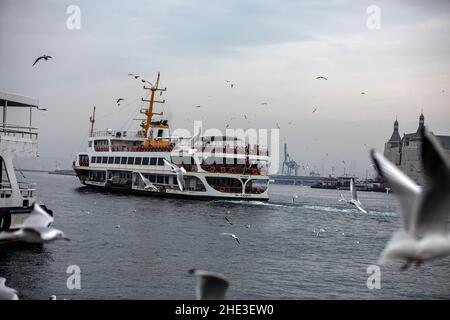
[(152, 162)]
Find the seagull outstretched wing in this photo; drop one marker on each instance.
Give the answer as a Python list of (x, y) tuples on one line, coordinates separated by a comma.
[(359, 207), (232, 235), (174, 167), (148, 184), (7, 293), (353, 190), (210, 286), (407, 191), (36, 61), (38, 218), (180, 171)]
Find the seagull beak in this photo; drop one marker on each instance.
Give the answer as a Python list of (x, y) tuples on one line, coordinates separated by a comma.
[(67, 238)]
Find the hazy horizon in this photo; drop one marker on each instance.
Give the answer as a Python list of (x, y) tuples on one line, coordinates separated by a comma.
[(272, 51)]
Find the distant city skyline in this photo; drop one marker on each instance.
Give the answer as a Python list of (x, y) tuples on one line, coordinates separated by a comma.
[(272, 52)]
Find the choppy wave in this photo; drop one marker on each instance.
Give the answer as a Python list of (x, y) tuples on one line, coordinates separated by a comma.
[(315, 207)]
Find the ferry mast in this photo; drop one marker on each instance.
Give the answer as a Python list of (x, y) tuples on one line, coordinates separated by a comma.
[(149, 124), (92, 121)]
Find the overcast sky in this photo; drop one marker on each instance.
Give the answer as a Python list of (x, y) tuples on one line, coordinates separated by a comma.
[(271, 50)]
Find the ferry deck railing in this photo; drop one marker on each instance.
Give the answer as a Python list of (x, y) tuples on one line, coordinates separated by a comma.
[(26, 189), (18, 131)]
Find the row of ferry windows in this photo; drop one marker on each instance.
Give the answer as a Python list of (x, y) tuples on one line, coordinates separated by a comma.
[(140, 161)]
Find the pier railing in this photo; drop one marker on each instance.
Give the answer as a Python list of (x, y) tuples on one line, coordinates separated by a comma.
[(26, 189), (18, 131)]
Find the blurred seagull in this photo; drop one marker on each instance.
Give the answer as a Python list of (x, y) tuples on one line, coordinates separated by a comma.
[(231, 84), (180, 171), (118, 101), (354, 200), (210, 286), (228, 221), (145, 81), (35, 229), (136, 77), (264, 103), (45, 57), (7, 293), (317, 232), (231, 235), (315, 109), (295, 196), (363, 92), (320, 77), (423, 233), (148, 184)]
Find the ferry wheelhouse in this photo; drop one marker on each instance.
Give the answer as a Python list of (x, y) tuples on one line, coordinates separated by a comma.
[(152, 162)]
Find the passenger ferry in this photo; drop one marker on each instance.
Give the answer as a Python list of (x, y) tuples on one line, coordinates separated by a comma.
[(16, 197), (152, 162)]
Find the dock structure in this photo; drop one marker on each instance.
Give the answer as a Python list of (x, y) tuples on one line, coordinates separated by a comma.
[(16, 140), (296, 180)]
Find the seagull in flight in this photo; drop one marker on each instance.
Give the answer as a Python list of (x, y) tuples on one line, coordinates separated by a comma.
[(7, 293), (180, 171), (317, 232), (148, 184), (228, 221), (363, 92), (264, 103), (232, 235), (231, 84), (210, 286), (320, 77), (315, 109), (35, 229), (424, 211), (354, 200), (45, 57), (136, 76), (145, 81), (118, 101)]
